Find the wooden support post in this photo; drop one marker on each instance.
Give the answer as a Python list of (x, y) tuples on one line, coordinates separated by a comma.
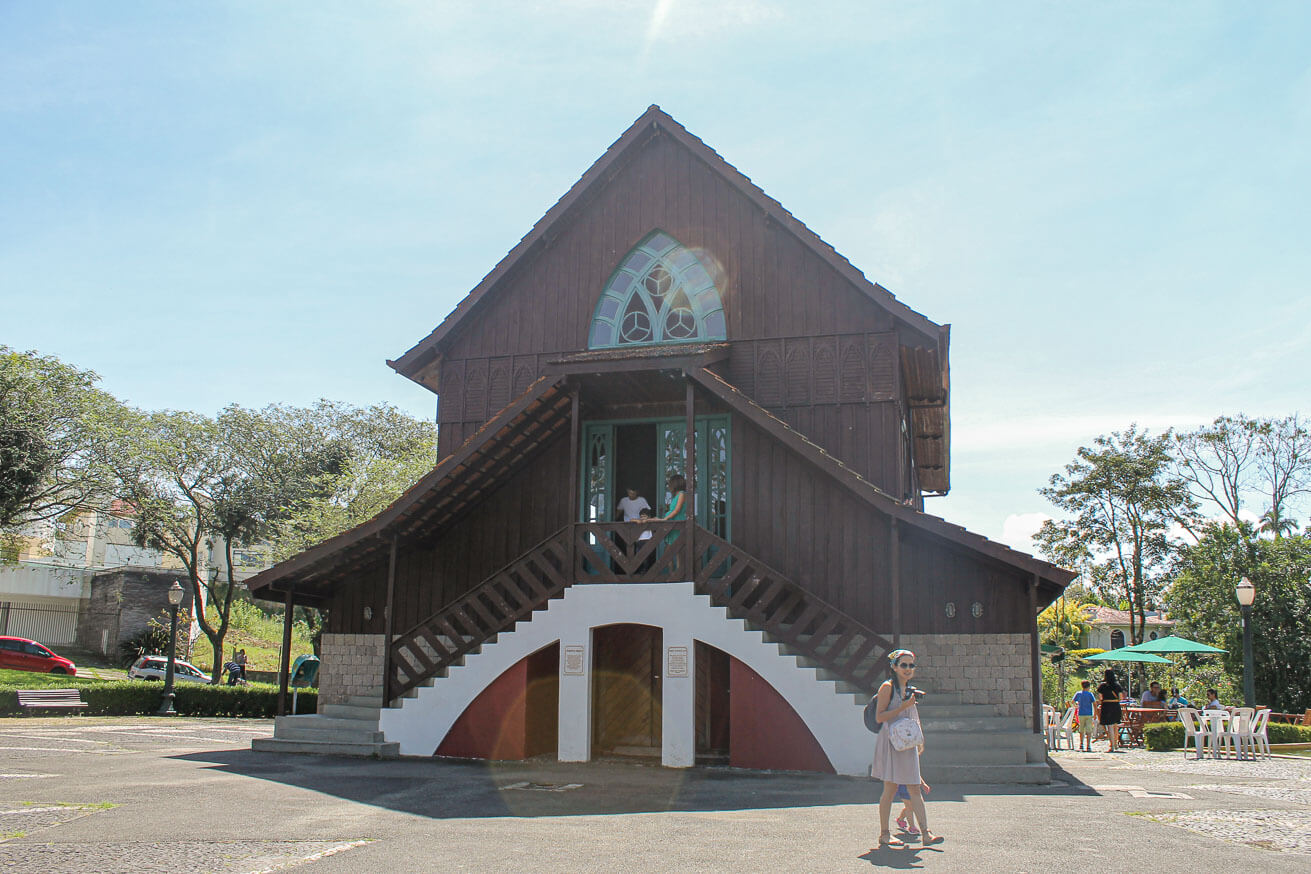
[(284, 667), (1035, 654), (689, 496), (575, 484), (894, 574), (387, 624)]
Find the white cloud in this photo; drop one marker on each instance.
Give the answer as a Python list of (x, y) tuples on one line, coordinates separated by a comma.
[(1018, 530)]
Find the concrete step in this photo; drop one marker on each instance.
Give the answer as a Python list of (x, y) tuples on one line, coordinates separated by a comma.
[(350, 711), (377, 750), (936, 711), (1033, 773), (323, 723), (365, 700), (978, 739), (330, 735), (972, 724), (989, 755)]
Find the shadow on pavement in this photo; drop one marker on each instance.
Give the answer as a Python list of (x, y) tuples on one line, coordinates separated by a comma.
[(452, 788)]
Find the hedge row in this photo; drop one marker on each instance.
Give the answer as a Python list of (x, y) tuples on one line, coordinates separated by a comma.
[(1170, 735), (136, 698)]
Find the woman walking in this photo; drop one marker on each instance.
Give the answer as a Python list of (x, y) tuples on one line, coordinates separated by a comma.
[(1108, 714), (896, 701)]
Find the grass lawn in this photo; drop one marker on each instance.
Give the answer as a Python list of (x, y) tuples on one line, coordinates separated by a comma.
[(33, 680)]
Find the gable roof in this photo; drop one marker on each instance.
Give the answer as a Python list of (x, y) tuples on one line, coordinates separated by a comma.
[(1054, 577), (1099, 615), (652, 122)]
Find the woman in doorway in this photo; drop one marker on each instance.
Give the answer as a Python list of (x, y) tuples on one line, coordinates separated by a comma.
[(1108, 714), (896, 700), (677, 487)]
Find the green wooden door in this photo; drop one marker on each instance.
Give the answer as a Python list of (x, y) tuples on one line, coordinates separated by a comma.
[(711, 497)]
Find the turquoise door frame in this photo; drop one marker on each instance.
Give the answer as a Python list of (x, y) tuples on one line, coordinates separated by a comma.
[(711, 500)]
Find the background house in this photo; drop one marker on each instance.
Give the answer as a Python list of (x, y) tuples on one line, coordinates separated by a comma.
[(1108, 628)]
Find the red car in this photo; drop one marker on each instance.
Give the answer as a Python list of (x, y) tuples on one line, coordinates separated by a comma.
[(21, 654)]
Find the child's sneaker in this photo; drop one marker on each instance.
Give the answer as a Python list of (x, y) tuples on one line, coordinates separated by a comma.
[(901, 824)]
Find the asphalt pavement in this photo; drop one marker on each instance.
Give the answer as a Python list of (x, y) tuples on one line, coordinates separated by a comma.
[(136, 795)]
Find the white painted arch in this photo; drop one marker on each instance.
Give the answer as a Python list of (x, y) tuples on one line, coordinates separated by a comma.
[(834, 718)]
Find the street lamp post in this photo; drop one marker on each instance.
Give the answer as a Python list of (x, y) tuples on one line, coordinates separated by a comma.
[(174, 600), (1246, 594)]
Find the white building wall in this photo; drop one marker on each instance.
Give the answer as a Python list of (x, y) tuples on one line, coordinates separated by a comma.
[(420, 723)]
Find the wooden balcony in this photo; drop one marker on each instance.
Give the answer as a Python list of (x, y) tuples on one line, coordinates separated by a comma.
[(631, 552)]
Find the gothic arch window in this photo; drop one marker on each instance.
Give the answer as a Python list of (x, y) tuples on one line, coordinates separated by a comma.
[(660, 293)]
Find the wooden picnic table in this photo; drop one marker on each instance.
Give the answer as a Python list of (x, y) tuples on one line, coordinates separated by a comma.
[(1136, 718)]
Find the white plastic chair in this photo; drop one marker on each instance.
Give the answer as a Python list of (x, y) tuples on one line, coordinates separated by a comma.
[(1193, 732), (1237, 736), (1260, 736), (1062, 729), (1214, 724)]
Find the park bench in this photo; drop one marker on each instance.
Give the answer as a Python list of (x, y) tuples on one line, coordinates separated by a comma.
[(54, 699)]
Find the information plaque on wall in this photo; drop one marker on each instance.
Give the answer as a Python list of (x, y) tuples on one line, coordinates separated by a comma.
[(573, 660), (676, 662)]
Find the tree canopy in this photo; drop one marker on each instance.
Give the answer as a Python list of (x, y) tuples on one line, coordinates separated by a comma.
[(58, 436)]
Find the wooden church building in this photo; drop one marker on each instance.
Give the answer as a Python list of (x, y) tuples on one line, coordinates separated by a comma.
[(666, 317)]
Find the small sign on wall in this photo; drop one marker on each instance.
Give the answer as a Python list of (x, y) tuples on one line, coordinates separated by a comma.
[(676, 662), (573, 660)]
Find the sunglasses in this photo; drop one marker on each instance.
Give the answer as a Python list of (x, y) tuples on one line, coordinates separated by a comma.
[(906, 665)]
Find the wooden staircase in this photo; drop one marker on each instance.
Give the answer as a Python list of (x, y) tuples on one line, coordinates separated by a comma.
[(508, 596), (802, 624)]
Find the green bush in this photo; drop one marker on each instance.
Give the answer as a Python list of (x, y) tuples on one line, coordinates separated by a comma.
[(1084, 653), (1283, 733), (137, 698), (1163, 736)]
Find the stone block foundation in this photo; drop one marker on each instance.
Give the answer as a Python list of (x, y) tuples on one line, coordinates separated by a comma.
[(985, 668), (351, 665)]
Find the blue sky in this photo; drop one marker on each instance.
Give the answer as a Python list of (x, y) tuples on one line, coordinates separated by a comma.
[(259, 202)]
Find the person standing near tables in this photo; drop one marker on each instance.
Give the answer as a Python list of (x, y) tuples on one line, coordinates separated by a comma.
[(1108, 714), (1086, 702)]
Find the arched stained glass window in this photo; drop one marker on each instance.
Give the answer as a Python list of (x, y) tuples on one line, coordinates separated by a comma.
[(660, 293)]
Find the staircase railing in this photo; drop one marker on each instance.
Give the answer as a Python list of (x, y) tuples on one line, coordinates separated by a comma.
[(756, 593), (508, 596), (614, 552)]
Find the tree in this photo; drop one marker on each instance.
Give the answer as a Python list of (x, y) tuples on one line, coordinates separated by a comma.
[(1284, 464), (1218, 462), (1064, 624), (379, 453), (177, 476), (1202, 579), (1122, 499), (58, 433)]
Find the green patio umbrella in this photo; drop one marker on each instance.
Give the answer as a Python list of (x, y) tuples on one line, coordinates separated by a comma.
[(1126, 654), (1172, 644)]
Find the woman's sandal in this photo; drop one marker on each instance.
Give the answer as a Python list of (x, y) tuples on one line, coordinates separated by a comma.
[(887, 840), (930, 838)]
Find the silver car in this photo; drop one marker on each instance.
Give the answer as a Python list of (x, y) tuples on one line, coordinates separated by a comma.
[(153, 668)]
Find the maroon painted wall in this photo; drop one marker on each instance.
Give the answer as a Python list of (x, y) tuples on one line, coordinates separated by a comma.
[(765, 732), (514, 717)]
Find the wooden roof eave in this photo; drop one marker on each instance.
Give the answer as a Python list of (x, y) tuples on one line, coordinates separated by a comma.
[(1056, 578), (654, 121), (373, 535)]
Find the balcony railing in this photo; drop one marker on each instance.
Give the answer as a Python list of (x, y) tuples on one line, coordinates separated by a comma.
[(630, 552)]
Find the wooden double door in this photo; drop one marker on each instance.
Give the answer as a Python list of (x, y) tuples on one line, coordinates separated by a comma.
[(626, 689)]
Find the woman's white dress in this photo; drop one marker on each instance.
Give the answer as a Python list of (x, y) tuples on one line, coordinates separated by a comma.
[(892, 765)]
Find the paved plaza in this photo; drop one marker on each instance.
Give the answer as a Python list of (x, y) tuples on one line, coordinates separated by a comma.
[(188, 795)]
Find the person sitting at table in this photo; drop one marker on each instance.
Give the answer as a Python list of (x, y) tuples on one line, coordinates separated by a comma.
[(1213, 701), (1153, 697), (1177, 700)]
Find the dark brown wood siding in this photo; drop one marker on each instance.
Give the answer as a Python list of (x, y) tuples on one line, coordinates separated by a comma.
[(430, 574), (828, 345), (835, 544)]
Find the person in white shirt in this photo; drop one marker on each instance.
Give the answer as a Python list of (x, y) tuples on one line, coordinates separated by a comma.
[(1213, 700), (630, 510), (632, 505)]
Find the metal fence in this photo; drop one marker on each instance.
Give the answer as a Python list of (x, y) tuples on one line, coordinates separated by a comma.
[(49, 625)]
